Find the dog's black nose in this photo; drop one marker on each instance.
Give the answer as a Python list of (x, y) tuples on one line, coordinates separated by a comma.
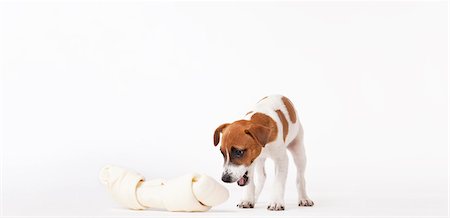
[(226, 178)]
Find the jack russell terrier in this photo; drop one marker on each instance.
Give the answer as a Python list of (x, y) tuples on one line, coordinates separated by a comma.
[(267, 131)]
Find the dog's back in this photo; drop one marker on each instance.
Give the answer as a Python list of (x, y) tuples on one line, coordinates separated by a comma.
[(282, 111)]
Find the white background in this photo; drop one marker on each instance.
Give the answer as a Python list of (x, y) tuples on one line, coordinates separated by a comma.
[(144, 84)]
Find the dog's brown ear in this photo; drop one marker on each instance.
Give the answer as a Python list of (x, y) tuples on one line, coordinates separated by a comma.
[(260, 133), (217, 133)]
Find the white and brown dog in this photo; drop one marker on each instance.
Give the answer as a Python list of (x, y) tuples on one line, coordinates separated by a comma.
[(267, 131)]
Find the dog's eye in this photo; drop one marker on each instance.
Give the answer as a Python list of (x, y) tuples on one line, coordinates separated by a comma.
[(237, 152)]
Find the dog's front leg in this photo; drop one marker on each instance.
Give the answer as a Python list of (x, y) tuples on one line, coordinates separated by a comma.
[(248, 197), (281, 169)]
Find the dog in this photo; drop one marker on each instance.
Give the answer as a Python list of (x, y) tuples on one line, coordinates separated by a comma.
[(267, 131)]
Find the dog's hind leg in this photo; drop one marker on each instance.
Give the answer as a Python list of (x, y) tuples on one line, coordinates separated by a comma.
[(297, 149)]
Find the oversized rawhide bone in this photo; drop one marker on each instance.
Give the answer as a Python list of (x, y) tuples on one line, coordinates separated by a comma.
[(191, 192)]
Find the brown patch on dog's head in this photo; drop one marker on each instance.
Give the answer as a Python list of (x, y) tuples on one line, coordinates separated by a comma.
[(217, 133), (240, 145), (243, 140), (266, 121), (290, 109)]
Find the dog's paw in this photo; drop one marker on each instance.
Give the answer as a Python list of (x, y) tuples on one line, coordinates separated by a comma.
[(306, 203), (246, 204), (275, 206)]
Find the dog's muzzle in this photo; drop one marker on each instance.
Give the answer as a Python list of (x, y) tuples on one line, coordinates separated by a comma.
[(228, 178)]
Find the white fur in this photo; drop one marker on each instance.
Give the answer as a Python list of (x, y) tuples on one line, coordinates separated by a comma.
[(276, 150), (236, 171)]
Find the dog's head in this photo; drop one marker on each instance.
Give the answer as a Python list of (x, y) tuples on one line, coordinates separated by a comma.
[(242, 142)]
